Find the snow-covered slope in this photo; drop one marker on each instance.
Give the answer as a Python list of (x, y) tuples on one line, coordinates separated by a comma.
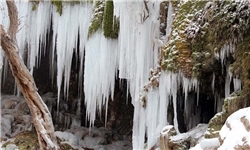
[(235, 133)]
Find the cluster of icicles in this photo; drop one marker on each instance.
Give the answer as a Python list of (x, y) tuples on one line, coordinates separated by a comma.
[(134, 53)]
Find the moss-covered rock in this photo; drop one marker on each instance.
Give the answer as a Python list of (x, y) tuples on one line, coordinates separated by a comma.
[(177, 52), (97, 18), (26, 140), (59, 6), (110, 22), (64, 146), (203, 27), (231, 104)]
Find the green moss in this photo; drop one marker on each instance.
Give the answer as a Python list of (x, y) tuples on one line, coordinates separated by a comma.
[(96, 22), (179, 47), (213, 131), (26, 140), (231, 104), (110, 23), (35, 5), (241, 68), (58, 4)]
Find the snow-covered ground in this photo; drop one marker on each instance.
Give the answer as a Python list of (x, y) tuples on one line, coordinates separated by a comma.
[(234, 134), (15, 118)]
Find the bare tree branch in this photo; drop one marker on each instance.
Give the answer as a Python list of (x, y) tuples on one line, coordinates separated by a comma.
[(13, 15)]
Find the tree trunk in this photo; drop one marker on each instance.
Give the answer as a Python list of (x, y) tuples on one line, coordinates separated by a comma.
[(40, 114)]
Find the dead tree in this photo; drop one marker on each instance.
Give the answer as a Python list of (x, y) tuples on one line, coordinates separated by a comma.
[(41, 116)]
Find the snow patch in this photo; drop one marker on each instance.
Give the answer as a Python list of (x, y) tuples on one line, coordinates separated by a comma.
[(233, 132)]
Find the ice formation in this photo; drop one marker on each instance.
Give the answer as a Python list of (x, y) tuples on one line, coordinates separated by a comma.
[(99, 72), (134, 53), (65, 36)]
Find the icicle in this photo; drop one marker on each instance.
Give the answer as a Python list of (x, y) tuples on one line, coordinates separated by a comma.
[(213, 82), (237, 84), (1, 61), (5, 22), (174, 88), (100, 70), (169, 20), (198, 94), (225, 52), (65, 36), (138, 52), (83, 28), (152, 116), (38, 22), (227, 81)]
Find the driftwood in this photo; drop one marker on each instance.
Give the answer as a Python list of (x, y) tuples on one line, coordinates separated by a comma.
[(40, 114)]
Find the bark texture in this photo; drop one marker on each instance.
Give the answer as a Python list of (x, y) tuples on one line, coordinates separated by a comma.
[(40, 114)]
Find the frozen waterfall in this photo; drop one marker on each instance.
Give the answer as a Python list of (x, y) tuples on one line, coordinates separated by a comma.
[(131, 56)]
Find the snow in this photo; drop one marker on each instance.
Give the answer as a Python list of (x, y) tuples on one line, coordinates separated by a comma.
[(15, 119), (11, 147), (233, 131), (196, 133), (166, 129), (212, 143), (80, 137)]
